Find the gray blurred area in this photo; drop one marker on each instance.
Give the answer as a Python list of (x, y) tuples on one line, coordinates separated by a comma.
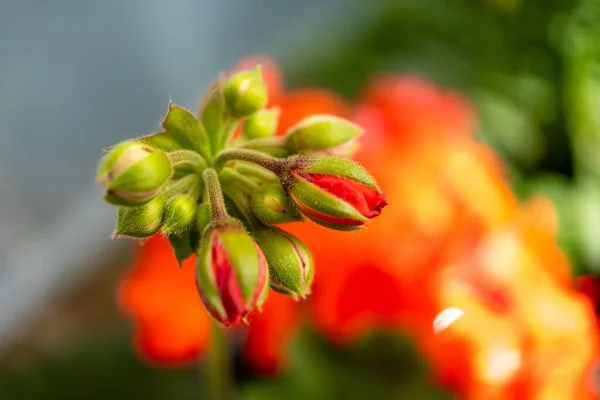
[(77, 76)]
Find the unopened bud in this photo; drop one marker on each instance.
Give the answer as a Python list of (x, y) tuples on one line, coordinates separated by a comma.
[(334, 192), (245, 92), (271, 206), (141, 221), (325, 134), (261, 124), (179, 214), (133, 173), (231, 272), (291, 267)]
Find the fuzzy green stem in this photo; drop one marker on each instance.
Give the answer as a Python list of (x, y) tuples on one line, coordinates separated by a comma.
[(215, 195), (229, 176), (217, 377), (255, 172), (273, 164)]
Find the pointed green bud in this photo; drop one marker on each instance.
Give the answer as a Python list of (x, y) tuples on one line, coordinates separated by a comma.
[(291, 267), (141, 221), (162, 141), (231, 271), (133, 173), (245, 93), (181, 245), (334, 192), (212, 110), (261, 124), (179, 214), (271, 206), (324, 133), (187, 130)]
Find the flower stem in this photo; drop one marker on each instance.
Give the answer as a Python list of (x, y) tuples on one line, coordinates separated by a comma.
[(275, 165), (255, 171), (216, 375), (215, 195), (273, 145)]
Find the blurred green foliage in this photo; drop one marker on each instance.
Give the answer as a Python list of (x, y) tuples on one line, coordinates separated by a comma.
[(378, 367)]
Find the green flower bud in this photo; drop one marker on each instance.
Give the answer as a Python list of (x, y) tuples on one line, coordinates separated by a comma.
[(179, 214), (261, 124), (133, 173), (271, 205), (245, 93), (142, 221), (323, 133), (291, 267)]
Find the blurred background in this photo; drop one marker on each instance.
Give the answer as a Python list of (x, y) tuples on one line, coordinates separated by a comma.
[(76, 77)]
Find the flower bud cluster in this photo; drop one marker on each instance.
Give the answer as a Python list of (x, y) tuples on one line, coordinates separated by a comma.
[(220, 197)]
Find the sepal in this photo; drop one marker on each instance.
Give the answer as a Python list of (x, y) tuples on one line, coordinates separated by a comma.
[(142, 221)]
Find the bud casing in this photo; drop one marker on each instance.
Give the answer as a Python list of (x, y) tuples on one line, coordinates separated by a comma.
[(141, 221), (291, 267), (334, 192), (231, 272), (179, 214), (133, 173), (261, 124), (245, 92)]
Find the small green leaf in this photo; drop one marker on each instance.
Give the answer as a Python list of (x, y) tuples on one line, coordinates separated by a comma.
[(141, 221), (187, 130), (162, 141), (212, 113), (181, 245)]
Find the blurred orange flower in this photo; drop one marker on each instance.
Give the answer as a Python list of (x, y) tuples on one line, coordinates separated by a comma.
[(453, 237)]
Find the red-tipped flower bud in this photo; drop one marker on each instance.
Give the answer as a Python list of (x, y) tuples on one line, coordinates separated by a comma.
[(334, 192), (232, 273)]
